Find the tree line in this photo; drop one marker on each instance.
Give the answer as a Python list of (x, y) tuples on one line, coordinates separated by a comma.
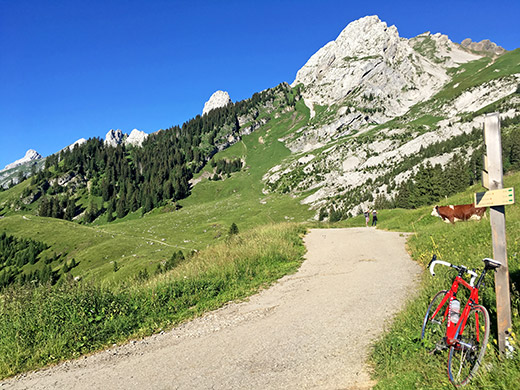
[(15, 255), (225, 167), (124, 179)]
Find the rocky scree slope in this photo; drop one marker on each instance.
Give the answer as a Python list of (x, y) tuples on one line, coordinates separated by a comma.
[(378, 100)]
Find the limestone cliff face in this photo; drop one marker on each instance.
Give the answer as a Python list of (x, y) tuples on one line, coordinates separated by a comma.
[(136, 138), (114, 138), (218, 99), (483, 46), (370, 66), (374, 106)]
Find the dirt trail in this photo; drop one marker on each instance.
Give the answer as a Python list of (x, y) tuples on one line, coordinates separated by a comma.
[(311, 330)]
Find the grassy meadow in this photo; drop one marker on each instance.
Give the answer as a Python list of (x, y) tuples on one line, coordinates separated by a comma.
[(49, 324), (138, 243), (399, 359)]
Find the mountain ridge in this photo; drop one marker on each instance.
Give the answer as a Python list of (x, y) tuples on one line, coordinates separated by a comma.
[(278, 156)]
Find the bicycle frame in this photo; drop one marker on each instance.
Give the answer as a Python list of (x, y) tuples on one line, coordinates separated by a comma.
[(455, 330), (466, 352)]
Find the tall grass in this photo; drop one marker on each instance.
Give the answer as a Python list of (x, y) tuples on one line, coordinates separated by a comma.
[(44, 325), (400, 360)]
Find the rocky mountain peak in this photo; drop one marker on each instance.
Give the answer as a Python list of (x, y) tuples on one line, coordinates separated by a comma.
[(485, 46), (367, 36), (117, 137), (114, 137), (218, 99), (79, 142), (136, 138), (30, 155), (369, 68)]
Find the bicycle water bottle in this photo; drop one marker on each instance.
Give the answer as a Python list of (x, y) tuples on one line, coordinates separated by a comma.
[(455, 311)]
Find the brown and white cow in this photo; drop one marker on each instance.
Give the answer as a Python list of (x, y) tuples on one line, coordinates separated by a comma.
[(461, 212)]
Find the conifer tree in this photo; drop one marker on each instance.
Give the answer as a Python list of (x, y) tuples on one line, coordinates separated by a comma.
[(70, 210), (110, 212), (233, 229)]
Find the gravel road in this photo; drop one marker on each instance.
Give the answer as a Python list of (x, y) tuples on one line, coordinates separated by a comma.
[(311, 330)]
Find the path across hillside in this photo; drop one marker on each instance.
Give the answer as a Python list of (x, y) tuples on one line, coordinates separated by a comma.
[(311, 330)]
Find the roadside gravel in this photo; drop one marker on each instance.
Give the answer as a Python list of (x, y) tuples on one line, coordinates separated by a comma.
[(311, 330)]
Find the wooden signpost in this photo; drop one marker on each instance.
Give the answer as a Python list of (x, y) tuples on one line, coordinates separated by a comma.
[(496, 199)]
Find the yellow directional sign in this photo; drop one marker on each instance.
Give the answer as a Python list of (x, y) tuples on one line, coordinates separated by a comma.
[(501, 197)]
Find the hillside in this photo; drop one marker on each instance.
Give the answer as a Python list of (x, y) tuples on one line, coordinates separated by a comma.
[(91, 317), (138, 242), (371, 120)]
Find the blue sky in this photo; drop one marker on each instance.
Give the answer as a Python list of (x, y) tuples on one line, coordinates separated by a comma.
[(73, 69)]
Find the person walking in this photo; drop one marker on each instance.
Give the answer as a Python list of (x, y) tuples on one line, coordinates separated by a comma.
[(367, 217), (374, 217)]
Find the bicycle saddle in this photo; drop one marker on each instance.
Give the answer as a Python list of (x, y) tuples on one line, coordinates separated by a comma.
[(491, 264)]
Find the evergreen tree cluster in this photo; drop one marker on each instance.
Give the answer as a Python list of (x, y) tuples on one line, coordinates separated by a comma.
[(172, 262), (431, 183), (129, 178), (55, 207), (15, 253), (511, 149), (226, 167)]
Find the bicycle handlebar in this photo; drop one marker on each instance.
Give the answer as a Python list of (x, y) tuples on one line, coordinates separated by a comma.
[(458, 268)]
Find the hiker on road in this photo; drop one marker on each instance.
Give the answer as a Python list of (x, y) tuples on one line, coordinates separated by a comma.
[(374, 217)]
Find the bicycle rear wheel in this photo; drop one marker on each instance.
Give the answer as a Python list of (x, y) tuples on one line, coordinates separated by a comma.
[(434, 327), (466, 355)]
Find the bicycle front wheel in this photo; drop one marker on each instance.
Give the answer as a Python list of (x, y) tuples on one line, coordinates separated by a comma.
[(466, 354), (434, 324)]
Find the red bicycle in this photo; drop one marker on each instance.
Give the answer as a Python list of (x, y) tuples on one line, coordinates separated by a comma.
[(465, 333)]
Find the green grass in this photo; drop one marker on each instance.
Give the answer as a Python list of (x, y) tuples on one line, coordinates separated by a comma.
[(400, 360), (425, 120), (426, 46), (46, 325), (137, 243)]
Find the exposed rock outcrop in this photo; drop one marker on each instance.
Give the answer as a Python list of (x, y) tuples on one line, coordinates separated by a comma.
[(374, 72), (79, 142), (485, 46), (30, 155), (117, 137), (218, 99), (136, 138), (114, 138)]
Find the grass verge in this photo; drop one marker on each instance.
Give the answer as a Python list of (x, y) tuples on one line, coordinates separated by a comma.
[(47, 325), (399, 358)]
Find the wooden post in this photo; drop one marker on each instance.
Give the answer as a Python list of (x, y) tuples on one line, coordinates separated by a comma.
[(498, 228)]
